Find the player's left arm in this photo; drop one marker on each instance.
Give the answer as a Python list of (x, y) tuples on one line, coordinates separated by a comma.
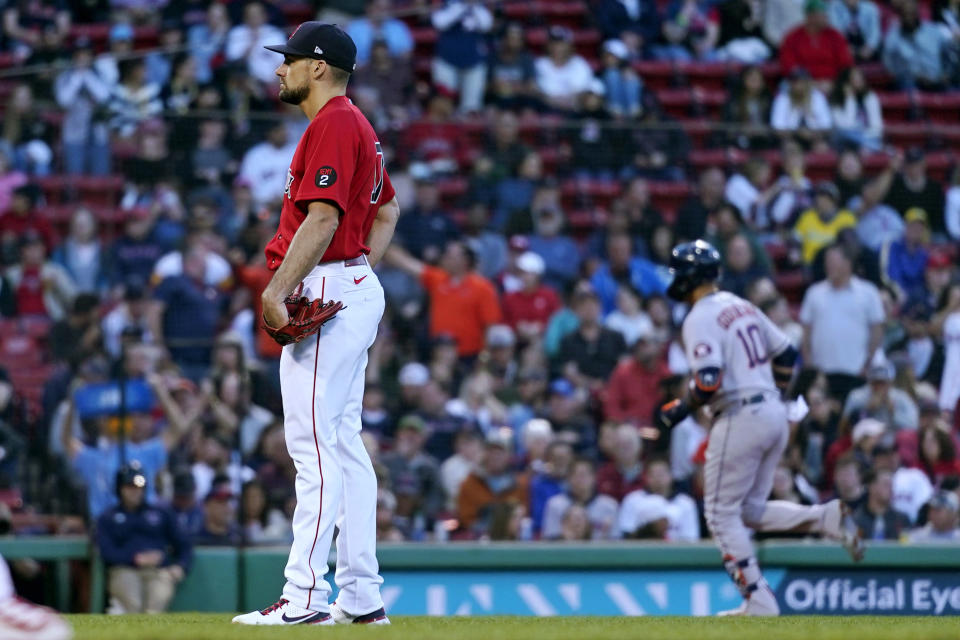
[(381, 233), (704, 383), (704, 354), (309, 244)]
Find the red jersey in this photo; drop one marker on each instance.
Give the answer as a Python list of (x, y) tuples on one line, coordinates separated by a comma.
[(338, 161)]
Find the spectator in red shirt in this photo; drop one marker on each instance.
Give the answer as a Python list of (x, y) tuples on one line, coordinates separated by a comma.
[(528, 310), (41, 287), (627, 395), (625, 473), (23, 216), (815, 46)]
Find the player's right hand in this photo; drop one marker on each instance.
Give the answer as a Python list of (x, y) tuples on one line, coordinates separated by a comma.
[(275, 314)]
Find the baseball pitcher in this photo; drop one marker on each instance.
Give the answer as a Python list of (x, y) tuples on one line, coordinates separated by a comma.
[(324, 304), (741, 364)]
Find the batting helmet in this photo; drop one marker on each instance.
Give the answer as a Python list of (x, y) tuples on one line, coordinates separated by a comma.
[(692, 264)]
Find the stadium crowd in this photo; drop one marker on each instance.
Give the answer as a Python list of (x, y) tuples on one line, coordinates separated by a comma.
[(513, 390)]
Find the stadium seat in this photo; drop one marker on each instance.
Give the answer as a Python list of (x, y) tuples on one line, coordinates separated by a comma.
[(692, 103), (896, 105), (296, 12), (709, 76), (941, 107), (657, 74), (668, 196)]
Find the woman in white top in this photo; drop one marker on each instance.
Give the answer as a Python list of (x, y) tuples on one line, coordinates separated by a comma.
[(800, 111), (857, 117)]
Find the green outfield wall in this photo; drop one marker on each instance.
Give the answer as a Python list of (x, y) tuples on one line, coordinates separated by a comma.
[(630, 578)]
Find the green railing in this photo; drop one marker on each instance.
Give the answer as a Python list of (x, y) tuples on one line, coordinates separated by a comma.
[(232, 579)]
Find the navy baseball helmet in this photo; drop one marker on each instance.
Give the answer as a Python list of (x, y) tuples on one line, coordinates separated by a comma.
[(692, 264)]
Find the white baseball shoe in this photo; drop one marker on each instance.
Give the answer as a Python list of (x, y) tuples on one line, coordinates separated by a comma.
[(839, 525), (282, 612), (23, 620), (761, 602), (342, 617)]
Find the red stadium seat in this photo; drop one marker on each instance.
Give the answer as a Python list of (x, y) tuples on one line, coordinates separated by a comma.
[(296, 12), (668, 196), (895, 104), (99, 190), (711, 76), (692, 103), (657, 74), (19, 351), (941, 107)]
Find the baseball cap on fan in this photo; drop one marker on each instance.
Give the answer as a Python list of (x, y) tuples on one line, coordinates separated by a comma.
[(320, 41)]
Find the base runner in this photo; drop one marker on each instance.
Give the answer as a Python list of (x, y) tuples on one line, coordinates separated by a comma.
[(324, 304), (741, 364)]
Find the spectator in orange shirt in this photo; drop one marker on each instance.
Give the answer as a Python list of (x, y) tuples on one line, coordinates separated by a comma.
[(528, 310), (462, 302), (624, 401)]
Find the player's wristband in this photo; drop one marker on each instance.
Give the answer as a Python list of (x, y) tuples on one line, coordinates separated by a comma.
[(674, 411)]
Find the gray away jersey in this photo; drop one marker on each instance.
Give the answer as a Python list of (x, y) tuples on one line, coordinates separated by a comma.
[(723, 330)]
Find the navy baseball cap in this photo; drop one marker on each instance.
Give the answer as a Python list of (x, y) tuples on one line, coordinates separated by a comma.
[(321, 41)]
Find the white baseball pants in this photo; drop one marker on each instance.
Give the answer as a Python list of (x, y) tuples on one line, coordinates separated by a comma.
[(743, 452), (321, 381)]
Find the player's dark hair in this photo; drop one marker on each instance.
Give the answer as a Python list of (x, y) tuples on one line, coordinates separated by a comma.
[(340, 76)]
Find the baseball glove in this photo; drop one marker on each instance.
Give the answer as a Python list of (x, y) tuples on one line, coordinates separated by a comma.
[(306, 318)]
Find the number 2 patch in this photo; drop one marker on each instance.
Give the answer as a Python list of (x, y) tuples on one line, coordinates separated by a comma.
[(326, 177), (701, 350)]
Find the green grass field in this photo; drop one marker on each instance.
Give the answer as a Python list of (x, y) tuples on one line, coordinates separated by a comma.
[(196, 626)]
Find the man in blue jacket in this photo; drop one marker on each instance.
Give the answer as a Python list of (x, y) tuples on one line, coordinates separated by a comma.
[(144, 550)]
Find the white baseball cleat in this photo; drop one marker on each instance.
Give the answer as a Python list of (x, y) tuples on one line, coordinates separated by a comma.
[(342, 617), (282, 612), (761, 602), (23, 620)]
